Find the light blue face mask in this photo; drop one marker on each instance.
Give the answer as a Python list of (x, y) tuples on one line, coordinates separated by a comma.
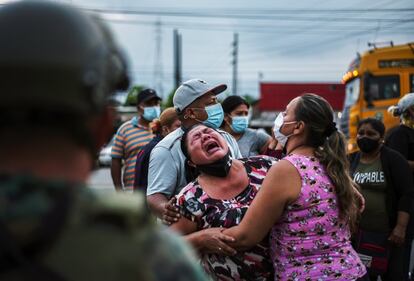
[(151, 112), (215, 115), (239, 124)]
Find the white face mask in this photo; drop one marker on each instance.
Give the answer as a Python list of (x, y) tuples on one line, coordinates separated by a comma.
[(279, 136)]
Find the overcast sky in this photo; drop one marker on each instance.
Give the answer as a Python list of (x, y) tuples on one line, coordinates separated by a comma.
[(301, 40)]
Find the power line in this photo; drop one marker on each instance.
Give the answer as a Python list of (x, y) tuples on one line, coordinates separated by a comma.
[(275, 29), (175, 10), (243, 72), (295, 17), (221, 12), (306, 29), (281, 16), (303, 46)]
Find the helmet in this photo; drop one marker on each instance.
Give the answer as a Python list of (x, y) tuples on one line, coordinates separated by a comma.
[(54, 57)]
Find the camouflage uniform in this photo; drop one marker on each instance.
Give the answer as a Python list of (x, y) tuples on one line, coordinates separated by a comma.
[(101, 236), (58, 68)]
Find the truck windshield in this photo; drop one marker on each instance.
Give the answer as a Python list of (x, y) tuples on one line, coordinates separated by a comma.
[(351, 92)]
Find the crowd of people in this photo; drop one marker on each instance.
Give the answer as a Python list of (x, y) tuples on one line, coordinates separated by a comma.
[(321, 214), (232, 202)]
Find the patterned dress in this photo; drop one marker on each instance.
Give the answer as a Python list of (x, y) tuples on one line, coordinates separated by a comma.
[(197, 206), (309, 242)]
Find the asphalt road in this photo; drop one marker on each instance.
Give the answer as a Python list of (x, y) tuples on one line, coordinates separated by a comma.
[(101, 179)]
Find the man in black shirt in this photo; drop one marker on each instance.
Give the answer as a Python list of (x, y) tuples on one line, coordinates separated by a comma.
[(401, 139)]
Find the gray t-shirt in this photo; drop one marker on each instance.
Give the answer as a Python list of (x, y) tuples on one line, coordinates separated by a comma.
[(166, 172), (371, 178), (252, 141)]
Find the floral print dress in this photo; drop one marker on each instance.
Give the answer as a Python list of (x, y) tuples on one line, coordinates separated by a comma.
[(309, 242), (207, 212)]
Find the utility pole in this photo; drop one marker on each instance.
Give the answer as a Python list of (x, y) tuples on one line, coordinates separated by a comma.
[(177, 58), (234, 62), (158, 73)]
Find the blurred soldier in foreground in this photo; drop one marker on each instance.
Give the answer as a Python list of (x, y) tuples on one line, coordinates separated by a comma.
[(58, 66)]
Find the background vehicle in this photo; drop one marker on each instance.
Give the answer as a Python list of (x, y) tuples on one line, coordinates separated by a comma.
[(376, 80), (104, 158)]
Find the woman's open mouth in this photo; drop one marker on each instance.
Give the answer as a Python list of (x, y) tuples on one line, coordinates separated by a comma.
[(211, 147)]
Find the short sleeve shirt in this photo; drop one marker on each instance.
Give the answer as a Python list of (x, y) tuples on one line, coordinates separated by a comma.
[(252, 141), (129, 140), (207, 212), (167, 171), (141, 166)]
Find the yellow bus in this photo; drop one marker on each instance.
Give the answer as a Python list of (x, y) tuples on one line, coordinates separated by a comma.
[(376, 80)]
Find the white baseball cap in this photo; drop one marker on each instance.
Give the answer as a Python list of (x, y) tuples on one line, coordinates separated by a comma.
[(191, 90), (404, 103)]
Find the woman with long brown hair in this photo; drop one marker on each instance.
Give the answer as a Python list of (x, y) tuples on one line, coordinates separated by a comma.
[(307, 200)]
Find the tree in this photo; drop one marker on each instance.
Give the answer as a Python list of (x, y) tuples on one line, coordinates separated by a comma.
[(131, 99), (169, 101), (250, 100)]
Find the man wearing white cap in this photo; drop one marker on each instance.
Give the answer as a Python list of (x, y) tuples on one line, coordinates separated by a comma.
[(401, 139), (195, 102)]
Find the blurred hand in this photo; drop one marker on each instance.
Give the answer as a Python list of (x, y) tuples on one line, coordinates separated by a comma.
[(279, 146), (397, 236), (272, 144), (214, 241), (171, 212)]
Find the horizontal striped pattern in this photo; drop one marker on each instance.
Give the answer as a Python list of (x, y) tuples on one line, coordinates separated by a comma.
[(129, 140)]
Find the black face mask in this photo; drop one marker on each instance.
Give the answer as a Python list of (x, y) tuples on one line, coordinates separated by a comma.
[(219, 168), (367, 145)]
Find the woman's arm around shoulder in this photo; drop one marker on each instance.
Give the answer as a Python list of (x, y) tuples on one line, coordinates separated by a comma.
[(281, 186)]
